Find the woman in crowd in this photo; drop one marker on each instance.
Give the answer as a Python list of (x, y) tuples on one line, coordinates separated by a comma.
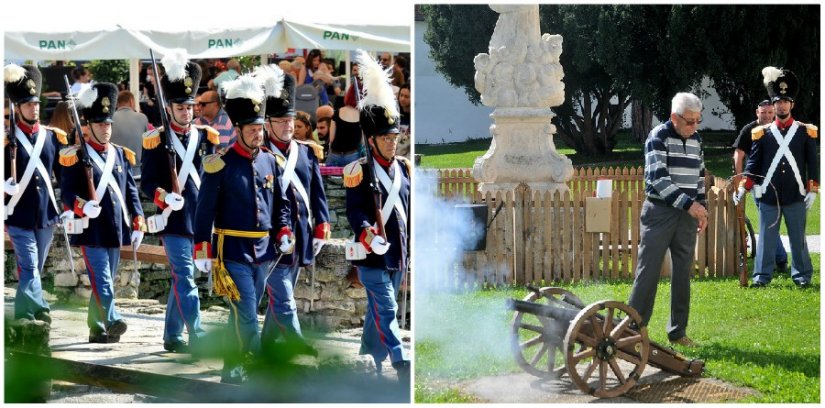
[(345, 132)]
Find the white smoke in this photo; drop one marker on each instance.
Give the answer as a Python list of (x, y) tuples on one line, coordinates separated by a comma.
[(463, 327)]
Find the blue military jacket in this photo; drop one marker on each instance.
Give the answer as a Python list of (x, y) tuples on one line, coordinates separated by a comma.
[(156, 174), (309, 172), (241, 193), (804, 150), (361, 214), (35, 208), (109, 229)]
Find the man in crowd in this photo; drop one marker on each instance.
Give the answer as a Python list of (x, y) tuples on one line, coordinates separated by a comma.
[(380, 251), (176, 199), (128, 124), (31, 209), (673, 214), (213, 115), (112, 211), (241, 197), (743, 143), (783, 172), (301, 180)]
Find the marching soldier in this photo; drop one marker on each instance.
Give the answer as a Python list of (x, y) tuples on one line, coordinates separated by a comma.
[(301, 180), (112, 216), (783, 173), (381, 262), (31, 210), (176, 211), (241, 196)]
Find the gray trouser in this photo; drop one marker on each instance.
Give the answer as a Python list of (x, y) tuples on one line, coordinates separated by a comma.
[(662, 228)]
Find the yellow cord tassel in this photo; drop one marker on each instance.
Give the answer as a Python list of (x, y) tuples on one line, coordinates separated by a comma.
[(222, 284)]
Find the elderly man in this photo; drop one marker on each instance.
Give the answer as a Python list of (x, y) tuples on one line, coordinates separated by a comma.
[(213, 115), (674, 212)]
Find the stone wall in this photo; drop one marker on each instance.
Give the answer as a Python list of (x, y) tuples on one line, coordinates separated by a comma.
[(338, 300)]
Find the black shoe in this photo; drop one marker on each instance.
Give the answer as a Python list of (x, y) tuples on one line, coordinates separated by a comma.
[(782, 267), (176, 347), (759, 285), (103, 338), (402, 368), (803, 285), (117, 328), (43, 316), (235, 376)]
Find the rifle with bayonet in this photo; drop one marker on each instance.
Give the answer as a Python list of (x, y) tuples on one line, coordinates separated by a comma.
[(82, 153), (12, 142), (167, 129)]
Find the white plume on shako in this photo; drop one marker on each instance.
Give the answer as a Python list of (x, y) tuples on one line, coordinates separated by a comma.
[(245, 86), (13, 73), (377, 80), (272, 78), (174, 63), (86, 97)]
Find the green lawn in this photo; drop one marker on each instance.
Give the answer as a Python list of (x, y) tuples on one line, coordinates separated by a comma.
[(718, 160), (765, 339)]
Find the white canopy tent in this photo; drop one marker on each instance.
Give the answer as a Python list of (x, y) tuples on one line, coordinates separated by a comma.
[(118, 30)]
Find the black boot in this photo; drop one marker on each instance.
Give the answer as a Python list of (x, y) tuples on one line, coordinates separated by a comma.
[(402, 368)]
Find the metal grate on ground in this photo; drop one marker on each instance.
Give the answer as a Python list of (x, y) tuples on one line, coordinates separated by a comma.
[(685, 390)]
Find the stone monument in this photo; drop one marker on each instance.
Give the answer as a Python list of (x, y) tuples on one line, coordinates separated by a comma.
[(520, 77)]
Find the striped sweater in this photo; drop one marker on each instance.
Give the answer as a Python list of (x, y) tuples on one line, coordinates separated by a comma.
[(674, 167)]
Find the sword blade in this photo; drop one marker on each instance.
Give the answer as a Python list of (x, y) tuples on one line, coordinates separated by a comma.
[(68, 248)]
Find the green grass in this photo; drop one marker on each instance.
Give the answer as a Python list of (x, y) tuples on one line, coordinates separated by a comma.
[(718, 160), (765, 339)]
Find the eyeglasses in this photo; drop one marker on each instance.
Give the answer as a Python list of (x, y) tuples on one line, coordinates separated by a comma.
[(390, 138), (280, 121), (202, 104), (690, 122)]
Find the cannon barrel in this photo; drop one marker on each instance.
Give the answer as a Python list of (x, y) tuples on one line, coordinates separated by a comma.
[(556, 313)]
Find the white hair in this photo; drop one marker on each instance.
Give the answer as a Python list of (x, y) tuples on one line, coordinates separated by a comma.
[(685, 101)]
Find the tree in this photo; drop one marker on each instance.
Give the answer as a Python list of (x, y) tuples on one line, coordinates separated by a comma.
[(114, 71)]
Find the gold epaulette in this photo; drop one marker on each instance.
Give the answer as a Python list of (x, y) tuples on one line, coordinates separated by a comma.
[(129, 153), (812, 130), (316, 148), (213, 163), (212, 134), (354, 173), (151, 138), (59, 133), (281, 160), (68, 155), (757, 133), (406, 162)]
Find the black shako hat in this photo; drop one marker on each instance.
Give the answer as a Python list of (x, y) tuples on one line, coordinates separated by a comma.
[(244, 100), (780, 83), (22, 83), (180, 80), (98, 101)]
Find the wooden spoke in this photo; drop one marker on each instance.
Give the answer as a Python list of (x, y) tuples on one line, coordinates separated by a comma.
[(531, 327), (584, 354), (602, 374), (532, 342), (538, 355), (627, 357), (590, 369), (617, 371), (597, 328), (608, 322), (620, 328), (586, 340), (628, 340), (551, 358)]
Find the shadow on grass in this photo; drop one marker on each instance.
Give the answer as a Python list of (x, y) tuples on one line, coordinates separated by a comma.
[(805, 364)]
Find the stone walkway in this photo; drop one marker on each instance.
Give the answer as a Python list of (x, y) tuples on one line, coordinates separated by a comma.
[(141, 348)]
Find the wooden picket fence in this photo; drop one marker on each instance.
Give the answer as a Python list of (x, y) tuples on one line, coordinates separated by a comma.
[(539, 238)]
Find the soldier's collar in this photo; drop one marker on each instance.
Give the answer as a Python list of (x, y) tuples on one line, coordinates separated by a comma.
[(384, 163), (98, 147), (282, 146), (27, 128), (784, 125), (240, 150), (177, 129)]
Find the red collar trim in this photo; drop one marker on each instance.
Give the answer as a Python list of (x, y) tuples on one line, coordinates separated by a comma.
[(96, 146), (28, 129), (786, 124), (283, 147), (240, 150), (177, 129), (385, 164)]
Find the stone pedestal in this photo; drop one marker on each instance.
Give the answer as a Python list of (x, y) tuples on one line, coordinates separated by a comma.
[(520, 77)]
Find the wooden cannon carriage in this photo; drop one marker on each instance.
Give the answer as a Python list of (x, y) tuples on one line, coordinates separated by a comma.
[(600, 346)]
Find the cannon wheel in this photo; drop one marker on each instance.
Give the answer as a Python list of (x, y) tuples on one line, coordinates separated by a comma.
[(536, 340), (602, 331)]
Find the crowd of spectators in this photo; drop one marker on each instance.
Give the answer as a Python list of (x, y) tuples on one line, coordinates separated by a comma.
[(326, 105)]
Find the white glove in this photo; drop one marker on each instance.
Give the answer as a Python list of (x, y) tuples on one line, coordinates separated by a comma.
[(809, 200), (317, 244), (11, 188), (286, 246), (137, 238), (203, 265), (174, 201), (740, 194), (66, 216), (379, 245), (91, 208), (758, 191)]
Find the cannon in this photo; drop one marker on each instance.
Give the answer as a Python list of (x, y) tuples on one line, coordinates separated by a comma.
[(602, 347)]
